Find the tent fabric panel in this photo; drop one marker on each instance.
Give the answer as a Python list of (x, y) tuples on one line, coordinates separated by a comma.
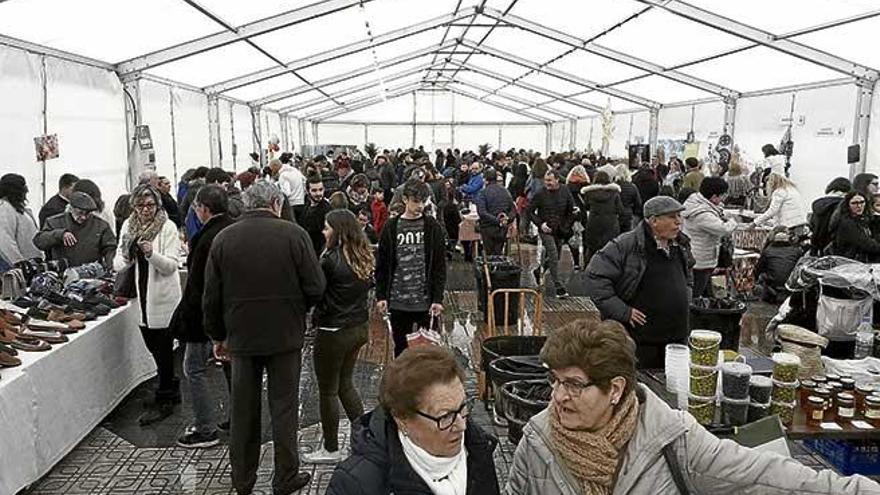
[(589, 134), (473, 77), (341, 134), (224, 116), (784, 16), (525, 44), (389, 15), (760, 68), (582, 18), (191, 131), (102, 29), (84, 108), (243, 127), (629, 128), (602, 100), (553, 83), (675, 122), (673, 39), (402, 46), (559, 136), (469, 110), (433, 106), (532, 137), (525, 94), (470, 137), (155, 112), (497, 65), (338, 66), (215, 65), (314, 36), (397, 109), (848, 41), (390, 136), (240, 13), (873, 154), (664, 90), (21, 104), (265, 88), (564, 106), (595, 68), (294, 100)]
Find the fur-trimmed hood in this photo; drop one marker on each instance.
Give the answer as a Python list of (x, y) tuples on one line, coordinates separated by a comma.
[(601, 187)]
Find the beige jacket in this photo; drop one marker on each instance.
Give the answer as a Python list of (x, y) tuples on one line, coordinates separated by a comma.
[(710, 466)]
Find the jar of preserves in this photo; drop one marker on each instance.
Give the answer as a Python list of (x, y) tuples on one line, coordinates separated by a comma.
[(862, 390), (819, 379), (872, 409), (832, 377), (835, 386), (807, 388), (815, 410), (825, 394), (848, 384), (846, 406)]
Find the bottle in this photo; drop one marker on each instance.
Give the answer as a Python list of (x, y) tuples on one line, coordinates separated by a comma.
[(864, 338)]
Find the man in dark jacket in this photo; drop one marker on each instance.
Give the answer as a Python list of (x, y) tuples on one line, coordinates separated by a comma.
[(552, 211), (823, 209), (262, 278), (647, 182), (496, 209), (387, 177), (58, 202), (315, 210), (643, 279), (77, 235), (411, 266), (211, 206)]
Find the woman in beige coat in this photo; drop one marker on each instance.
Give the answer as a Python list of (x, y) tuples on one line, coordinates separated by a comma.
[(605, 434)]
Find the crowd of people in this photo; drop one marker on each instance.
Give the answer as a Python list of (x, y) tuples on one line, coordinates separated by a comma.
[(301, 242)]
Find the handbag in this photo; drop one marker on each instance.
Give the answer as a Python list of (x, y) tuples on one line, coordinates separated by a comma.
[(838, 319), (13, 284), (124, 284), (424, 336)]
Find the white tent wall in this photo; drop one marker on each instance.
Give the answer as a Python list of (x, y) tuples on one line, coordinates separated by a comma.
[(589, 134), (293, 133), (527, 137), (676, 121), (224, 117), (191, 132), (873, 154), (83, 107), (387, 136), (350, 134), (155, 111), (242, 135), (820, 141), (628, 128), (21, 119)]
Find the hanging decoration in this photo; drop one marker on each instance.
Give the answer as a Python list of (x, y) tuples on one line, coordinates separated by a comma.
[(607, 127), (786, 144)]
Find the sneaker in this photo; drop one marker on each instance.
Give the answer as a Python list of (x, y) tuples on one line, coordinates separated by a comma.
[(322, 456), (561, 293), (224, 426), (196, 440)]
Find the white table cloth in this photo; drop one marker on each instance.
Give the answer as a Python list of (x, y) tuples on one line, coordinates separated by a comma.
[(55, 398)]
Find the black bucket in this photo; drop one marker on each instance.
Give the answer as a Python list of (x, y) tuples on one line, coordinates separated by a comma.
[(521, 400), (725, 320), (513, 368)]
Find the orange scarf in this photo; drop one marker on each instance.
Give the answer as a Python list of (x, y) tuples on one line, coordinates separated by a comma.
[(592, 457)]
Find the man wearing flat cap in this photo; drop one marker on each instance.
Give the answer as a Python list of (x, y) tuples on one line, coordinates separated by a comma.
[(643, 279), (77, 235)]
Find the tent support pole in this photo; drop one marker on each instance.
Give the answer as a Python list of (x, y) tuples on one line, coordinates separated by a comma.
[(653, 129), (861, 126), (730, 116), (257, 134), (214, 131)]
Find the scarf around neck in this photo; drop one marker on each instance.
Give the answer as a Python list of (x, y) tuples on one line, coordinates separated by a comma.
[(443, 475), (592, 457), (139, 231)]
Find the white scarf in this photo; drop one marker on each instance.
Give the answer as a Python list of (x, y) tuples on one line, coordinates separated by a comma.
[(443, 475)]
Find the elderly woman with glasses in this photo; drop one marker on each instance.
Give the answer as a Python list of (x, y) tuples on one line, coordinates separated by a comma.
[(150, 246), (419, 440), (603, 433)]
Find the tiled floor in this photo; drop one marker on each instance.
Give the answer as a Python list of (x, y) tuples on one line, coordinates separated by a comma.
[(119, 457)]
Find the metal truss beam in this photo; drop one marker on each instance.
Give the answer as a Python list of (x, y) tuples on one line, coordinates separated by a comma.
[(527, 103), (764, 38), (360, 87), (596, 49), (632, 98), (342, 51), (362, 71), (523, 113), (354, 104), (244, 32), (530, 87), (52, 52)]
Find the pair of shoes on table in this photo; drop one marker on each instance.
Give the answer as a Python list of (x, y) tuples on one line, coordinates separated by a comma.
[(45, 333), (323, 456), (10, 336), (197, 440)]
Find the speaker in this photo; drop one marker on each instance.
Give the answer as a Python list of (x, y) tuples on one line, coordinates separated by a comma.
[(854, 153)]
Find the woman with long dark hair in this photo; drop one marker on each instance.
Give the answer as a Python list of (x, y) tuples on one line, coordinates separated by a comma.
[(342, 319), (853, 237), (17, 224)]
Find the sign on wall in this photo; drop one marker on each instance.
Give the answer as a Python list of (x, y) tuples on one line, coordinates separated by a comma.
[(46, 147)]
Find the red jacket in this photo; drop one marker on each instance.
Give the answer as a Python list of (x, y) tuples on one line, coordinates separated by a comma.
[(380, 214)]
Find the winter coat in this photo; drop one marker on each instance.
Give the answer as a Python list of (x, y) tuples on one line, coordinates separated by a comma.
[(820, 223), (188, 316), (632, 205), (262, 277), (574, 188), (493, 201), (708, 465), (473, 187), (56, 205), (555, 208), (435, 259), (605, 220), (17, 231), (692, 180), (344, 303), (94, 240), (705, 224), (312, 219), (387, 177), (777, 262), (163, 282), (517, 186), (378, 466), (647, 183), (615, 272), (293, 184), (786, 209), (853, 239)]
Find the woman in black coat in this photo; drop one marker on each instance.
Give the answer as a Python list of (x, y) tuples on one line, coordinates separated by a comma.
[(602, 200), (630, 197), (853, 237)]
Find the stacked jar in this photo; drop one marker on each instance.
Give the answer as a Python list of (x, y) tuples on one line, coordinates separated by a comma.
[(735, 379), (704, 346), (759, 397), (785, 386)]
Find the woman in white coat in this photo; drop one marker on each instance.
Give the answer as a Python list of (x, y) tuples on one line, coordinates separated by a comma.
[(149, 245), (786, 205)]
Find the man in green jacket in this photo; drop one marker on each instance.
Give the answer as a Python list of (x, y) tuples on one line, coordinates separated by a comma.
[(77, 235)]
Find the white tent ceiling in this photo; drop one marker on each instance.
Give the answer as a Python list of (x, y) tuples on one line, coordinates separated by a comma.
[(530, 59)]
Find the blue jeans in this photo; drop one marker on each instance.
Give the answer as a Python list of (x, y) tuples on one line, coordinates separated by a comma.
[(195, 369), (550, 263)]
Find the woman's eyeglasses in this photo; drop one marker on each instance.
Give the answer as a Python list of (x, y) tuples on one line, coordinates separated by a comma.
[(145, 206), (573, 388), (446, 421)]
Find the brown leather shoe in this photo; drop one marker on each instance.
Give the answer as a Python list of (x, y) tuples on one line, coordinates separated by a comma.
[(50, 336), (8, 361), (35, 345)]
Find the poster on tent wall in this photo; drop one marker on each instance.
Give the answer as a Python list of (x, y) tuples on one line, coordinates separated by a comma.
[(46, 147)]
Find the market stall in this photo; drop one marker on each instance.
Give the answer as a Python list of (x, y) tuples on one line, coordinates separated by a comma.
[(55, 398)]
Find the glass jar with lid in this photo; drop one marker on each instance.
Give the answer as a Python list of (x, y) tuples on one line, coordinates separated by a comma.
[(815, 410), (862, 390), (845, 406), (825, 394), (849, 385), (832, 377), (819, 379), (872, 409), (806, 390)]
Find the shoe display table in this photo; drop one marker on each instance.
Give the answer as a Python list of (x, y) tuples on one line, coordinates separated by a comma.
[(55, 398)]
